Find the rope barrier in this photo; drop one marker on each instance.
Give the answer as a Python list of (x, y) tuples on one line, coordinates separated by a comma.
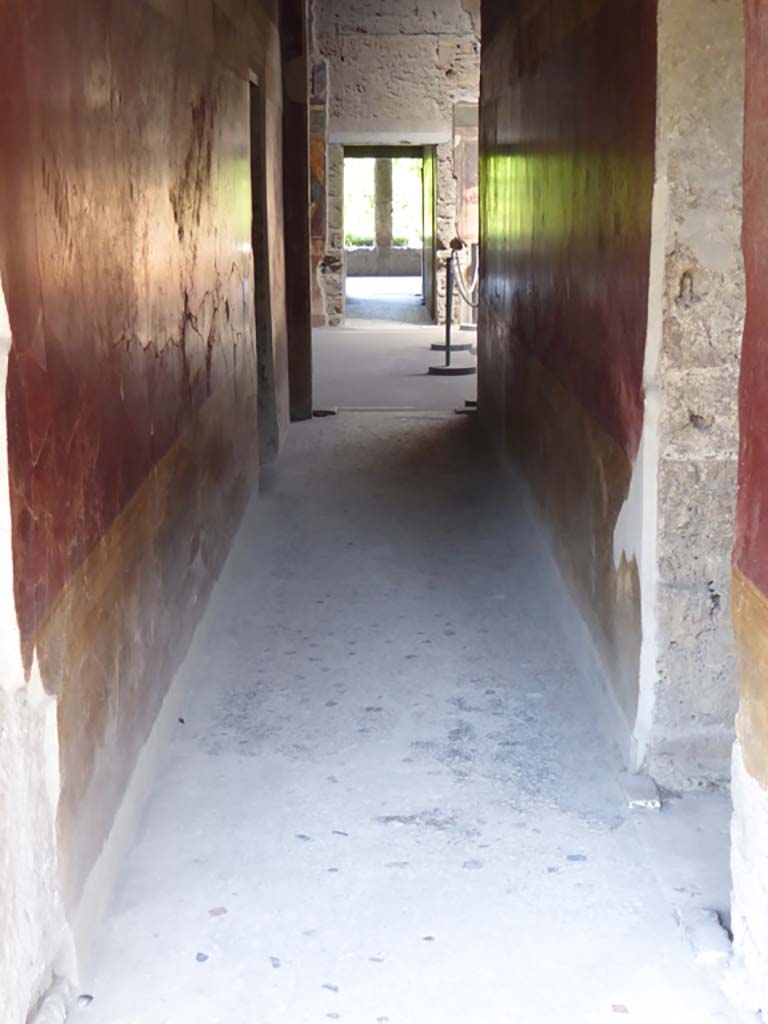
[(449, 370), (460, 285)]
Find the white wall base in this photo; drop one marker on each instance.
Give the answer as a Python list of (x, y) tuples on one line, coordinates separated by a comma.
[(749, 866)]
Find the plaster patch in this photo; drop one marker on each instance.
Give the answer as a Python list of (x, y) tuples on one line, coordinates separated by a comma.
[(11, 673), (46, 707), (639, 517), (628, 533), (749, 868)]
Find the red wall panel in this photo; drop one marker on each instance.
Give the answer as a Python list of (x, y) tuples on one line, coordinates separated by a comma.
[(568, 135), (125, 258), (751, 554)]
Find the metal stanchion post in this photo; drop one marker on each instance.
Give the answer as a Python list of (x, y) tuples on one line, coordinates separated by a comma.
[(450, 370), (449, 310), (449, 345)]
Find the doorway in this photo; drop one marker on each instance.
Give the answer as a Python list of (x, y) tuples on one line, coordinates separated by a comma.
[(389, 230), (268, 426)]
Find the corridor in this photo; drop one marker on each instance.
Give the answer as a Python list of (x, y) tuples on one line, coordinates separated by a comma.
[(327, 677), (387, 798)]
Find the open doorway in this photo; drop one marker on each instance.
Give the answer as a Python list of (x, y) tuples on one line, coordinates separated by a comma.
[(389, 230), (268, 426)]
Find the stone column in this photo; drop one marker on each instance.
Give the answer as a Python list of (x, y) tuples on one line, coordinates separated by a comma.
[(383, 204)]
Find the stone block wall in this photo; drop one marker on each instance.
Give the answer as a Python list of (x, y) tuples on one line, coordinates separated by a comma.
[(686, 728)]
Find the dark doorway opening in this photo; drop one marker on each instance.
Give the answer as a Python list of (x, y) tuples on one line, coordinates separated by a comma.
[(268, 426)]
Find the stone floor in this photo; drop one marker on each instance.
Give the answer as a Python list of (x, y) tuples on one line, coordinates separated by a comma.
[(387, 798), (397, 299), (382, 366)]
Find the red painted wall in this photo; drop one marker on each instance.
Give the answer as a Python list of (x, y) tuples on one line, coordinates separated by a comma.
[(751, 552), (124, 253), (567, 149), (568, 131)]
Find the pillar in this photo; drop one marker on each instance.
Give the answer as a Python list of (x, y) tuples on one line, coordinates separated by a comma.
[(383, 204)]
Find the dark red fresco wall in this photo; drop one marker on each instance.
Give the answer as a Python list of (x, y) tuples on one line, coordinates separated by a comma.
[(568, 102), (751, 553), (124, 253)]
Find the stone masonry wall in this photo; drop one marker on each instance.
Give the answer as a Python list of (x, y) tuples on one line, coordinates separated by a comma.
[(394, 73), (691, 391)]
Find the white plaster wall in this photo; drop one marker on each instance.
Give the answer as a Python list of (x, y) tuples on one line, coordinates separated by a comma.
[(749, 869), (34, 938)]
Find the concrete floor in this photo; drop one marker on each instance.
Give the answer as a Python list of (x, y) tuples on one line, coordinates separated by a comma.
[(376, 365), (396, 299), (389, 799)]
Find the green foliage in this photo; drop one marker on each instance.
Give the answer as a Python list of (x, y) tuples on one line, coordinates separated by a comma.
[(359, 218), (359, 206), (406, 208), (353, 241)]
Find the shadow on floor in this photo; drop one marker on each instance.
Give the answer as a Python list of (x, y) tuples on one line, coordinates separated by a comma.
[(386, 298), (387, 796)]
